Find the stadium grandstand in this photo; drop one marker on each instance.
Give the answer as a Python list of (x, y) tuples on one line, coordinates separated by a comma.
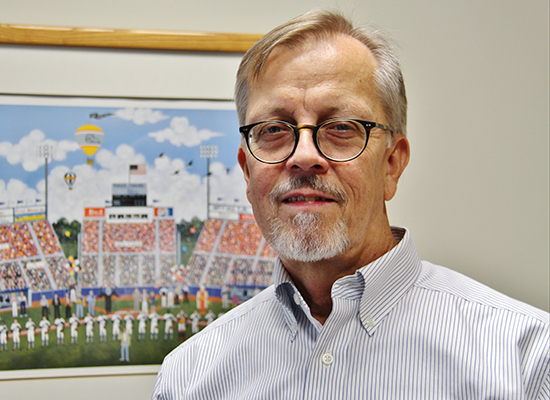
[(127, 246), (31, 258), (232, 253)]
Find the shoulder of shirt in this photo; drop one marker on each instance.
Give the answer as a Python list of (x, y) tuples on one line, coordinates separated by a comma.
[(446, 281)]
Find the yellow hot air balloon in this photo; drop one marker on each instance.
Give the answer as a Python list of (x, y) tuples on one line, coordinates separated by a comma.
[(70, 177), (89, 138)]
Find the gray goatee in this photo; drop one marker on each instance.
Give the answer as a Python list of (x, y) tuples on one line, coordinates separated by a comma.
[(307, 237)]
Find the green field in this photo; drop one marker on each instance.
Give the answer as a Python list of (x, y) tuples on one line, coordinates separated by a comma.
[(96, 353)]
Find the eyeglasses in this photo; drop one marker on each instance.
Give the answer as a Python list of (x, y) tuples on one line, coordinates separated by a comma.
[(338, 139)]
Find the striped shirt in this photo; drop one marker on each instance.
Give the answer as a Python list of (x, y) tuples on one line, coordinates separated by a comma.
[(400, 328)]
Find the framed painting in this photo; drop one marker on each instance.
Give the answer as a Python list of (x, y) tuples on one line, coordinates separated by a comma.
[(124, 224)]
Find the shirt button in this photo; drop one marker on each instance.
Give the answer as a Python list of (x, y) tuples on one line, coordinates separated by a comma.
[(327, 359), (297, 298), (369, 321)]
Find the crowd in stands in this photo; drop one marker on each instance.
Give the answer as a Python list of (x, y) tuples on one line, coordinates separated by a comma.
[(167, 261), (129, 270), (237, 259), (196, 265), (128, 255), (218, 270), (11, 276), (167, 235), (240, 271), (240, 238), (109, 268), (90, 236), (46, 237), (37, 276), (60, 274), (138, 237), (16, 242), (148, 269), (208, 235), (262, 273), (128, 252), (88, 272)]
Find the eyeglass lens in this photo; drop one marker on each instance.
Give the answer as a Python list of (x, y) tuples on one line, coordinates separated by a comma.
[(339, 140)]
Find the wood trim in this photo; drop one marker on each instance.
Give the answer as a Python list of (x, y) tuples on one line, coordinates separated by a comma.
[(126, 38)]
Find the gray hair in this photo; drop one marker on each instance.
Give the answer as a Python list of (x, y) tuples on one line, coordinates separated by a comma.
[(320, 25)]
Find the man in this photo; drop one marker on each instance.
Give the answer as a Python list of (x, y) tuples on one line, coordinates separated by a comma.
[(60, 330), (182, 324), (44, 325), (68, 305), (136, 296), (16, 334), (56, 302), (195, 319), (89, 321), (353, 312), (22, 304), (90, 299), (3, 336), (168, 325), (74, 322), (129, 321), (117, 320), (30, 326), (154, 332), (125, 342), (79, 304), (44, 303), (142, 325), (102, 320)]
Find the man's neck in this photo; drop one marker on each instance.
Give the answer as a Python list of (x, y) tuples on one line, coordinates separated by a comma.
[(315, 280)]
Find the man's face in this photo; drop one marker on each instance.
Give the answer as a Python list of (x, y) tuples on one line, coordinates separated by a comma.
[(335, 209)]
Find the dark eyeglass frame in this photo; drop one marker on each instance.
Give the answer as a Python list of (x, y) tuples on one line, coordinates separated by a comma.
[(367, 125)]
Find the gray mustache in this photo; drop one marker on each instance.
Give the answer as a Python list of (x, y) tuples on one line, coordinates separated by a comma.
[(312, 181)]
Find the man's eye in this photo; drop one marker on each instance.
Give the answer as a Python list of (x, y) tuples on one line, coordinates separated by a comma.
[(272, 129), (342, 127)]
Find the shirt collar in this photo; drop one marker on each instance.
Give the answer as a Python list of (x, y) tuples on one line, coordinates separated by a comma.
[(378, 286)]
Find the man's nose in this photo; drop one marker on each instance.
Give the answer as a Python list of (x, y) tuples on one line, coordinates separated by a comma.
[(306, 156)]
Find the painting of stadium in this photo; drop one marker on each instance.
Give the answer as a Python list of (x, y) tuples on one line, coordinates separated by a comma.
[(124, 228)]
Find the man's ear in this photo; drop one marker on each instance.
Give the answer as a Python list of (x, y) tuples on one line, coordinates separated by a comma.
[(241, 157), (397, 158)]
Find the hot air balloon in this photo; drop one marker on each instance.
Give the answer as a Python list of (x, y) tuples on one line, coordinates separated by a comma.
[(70, 177), (89, 138)]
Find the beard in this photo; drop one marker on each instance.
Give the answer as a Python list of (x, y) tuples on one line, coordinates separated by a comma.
[(307, 237)]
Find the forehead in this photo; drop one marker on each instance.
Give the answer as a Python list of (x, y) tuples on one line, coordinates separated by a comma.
[(329, 75)]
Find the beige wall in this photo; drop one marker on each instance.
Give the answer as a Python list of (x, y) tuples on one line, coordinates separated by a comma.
[(476, 194)]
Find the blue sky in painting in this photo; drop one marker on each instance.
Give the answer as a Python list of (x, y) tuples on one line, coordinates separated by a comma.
[(135, 133)]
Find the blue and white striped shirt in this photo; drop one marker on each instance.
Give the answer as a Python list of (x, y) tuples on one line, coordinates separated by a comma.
[(399, 328)]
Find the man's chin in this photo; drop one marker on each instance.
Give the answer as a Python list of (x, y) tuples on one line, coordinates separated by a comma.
[(307, 238)]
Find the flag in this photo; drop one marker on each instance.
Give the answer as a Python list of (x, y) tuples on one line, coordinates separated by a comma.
[(137, 169)]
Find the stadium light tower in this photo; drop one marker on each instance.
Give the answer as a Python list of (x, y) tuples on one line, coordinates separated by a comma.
[(208, 152), (45, 151)]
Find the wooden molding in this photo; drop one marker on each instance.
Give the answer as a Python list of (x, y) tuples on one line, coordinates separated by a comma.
[(126, 38)]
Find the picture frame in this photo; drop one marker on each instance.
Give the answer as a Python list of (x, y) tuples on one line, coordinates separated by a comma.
[(126, 38), (108, 39)]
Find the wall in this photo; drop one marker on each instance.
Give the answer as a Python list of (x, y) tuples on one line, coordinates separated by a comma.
[(475, 194)]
